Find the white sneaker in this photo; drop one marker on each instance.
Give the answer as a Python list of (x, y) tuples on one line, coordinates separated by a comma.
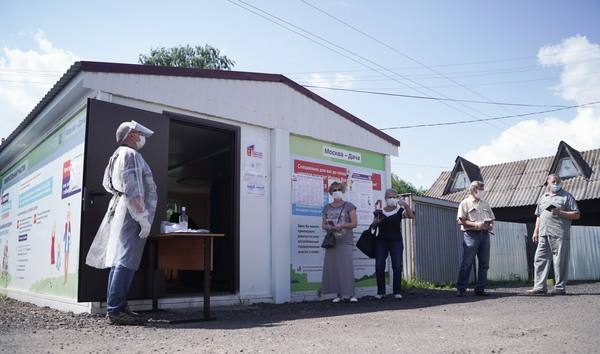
[(398, 296), (353, 299), (336, 300), (379, 296)]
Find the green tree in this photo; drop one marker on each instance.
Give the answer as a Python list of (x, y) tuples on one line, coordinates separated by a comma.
[(200, 57), (401, 186)]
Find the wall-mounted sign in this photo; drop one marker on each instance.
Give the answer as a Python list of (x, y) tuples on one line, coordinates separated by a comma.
[(315, 165)]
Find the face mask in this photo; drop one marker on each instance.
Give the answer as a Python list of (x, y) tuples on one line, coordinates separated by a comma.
[(555, 187), (140, 144), (337, 195), (480, 194), (391, 202)]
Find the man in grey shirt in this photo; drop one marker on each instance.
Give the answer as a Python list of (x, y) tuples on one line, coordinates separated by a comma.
[(555, 211)]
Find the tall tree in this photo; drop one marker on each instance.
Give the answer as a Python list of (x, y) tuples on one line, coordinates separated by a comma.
[(401, 186), (200, 57)]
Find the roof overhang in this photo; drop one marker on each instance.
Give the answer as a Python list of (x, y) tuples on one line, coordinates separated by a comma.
[(105, 67)]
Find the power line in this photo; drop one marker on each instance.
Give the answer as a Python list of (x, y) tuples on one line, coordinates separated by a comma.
[(420, 63), (413, 60), (444, 65), (455, 74), (404, 55), (340, 80), (437, 98), (249, 7), (409, 58), (488, 119)]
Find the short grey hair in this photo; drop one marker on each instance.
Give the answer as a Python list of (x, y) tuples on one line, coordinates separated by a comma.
[(390, 190), (553, 175), (122, 131), (475, 185)]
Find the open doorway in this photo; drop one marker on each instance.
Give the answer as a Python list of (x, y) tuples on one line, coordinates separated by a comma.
[(203, 177)]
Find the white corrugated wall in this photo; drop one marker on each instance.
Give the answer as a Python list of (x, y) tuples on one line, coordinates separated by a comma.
[(264, 104)]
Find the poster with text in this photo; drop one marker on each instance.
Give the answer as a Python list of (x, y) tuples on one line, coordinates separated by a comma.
[(315, 165), (40, 214), (254, 177)]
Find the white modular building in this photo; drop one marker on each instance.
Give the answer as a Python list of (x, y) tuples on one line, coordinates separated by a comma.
[(249, 154)]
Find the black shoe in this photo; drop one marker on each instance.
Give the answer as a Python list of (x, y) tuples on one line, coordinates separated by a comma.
[(123, 319), (481, 292), (557, 292), (128, 311), (460, 293)]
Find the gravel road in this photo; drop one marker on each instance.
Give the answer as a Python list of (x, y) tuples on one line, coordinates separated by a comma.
[(425, 321)]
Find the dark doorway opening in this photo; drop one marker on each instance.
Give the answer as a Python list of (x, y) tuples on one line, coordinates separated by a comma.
[(202, 176)]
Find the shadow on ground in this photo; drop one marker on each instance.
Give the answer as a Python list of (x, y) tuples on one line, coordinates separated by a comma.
[(269, 315)]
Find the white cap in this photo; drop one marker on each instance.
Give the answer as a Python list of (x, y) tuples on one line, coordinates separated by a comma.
[(126, 127)]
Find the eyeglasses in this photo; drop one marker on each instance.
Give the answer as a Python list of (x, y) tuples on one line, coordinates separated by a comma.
[(336, 190)]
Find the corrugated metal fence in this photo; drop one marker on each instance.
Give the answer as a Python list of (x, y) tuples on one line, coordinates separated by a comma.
[(432, 241), (508, 252), (433, 244), (585, 253)]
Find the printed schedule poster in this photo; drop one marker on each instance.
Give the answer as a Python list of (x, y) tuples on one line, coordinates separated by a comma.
[(40, 214), (315, 165)]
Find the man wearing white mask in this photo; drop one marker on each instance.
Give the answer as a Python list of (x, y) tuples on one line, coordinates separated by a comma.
[(555, 211), (119, 242), (475, 217)]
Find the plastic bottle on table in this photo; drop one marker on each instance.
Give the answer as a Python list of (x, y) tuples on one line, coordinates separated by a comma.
[(183, 218)]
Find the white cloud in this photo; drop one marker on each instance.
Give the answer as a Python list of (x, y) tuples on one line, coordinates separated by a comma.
[(26, 76), (343, 81), (579, 83)]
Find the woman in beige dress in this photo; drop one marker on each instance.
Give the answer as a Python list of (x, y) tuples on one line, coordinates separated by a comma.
[(338, 270)]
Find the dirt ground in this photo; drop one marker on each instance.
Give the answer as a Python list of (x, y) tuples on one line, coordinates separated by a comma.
[(425, 321)]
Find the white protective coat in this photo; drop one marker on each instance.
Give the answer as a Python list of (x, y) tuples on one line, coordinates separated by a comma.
[(117, 241)]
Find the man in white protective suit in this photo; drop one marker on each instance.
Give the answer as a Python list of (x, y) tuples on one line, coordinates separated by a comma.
[(119, 243)]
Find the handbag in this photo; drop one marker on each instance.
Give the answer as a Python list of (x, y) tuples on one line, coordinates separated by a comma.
[(329, 239), (366, 242)]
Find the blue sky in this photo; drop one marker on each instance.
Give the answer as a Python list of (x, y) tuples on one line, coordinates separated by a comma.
[(490, 47)]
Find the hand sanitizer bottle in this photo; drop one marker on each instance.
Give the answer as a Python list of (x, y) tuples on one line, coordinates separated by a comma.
[(183, 219)]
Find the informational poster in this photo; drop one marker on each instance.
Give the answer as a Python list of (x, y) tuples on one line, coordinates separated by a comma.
[(40, 214), (254, 176), (315, 165), (307, 190)]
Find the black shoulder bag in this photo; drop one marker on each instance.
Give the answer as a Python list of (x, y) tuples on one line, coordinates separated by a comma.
[(329, 239)]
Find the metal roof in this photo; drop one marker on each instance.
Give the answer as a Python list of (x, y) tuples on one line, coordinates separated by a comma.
[(520, 183), (119, 68), (48, 97)]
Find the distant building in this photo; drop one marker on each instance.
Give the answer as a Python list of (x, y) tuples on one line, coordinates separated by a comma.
[(513, 188)]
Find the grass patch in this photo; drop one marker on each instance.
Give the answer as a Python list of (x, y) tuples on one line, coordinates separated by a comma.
[(4, 280), (421, 284)]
